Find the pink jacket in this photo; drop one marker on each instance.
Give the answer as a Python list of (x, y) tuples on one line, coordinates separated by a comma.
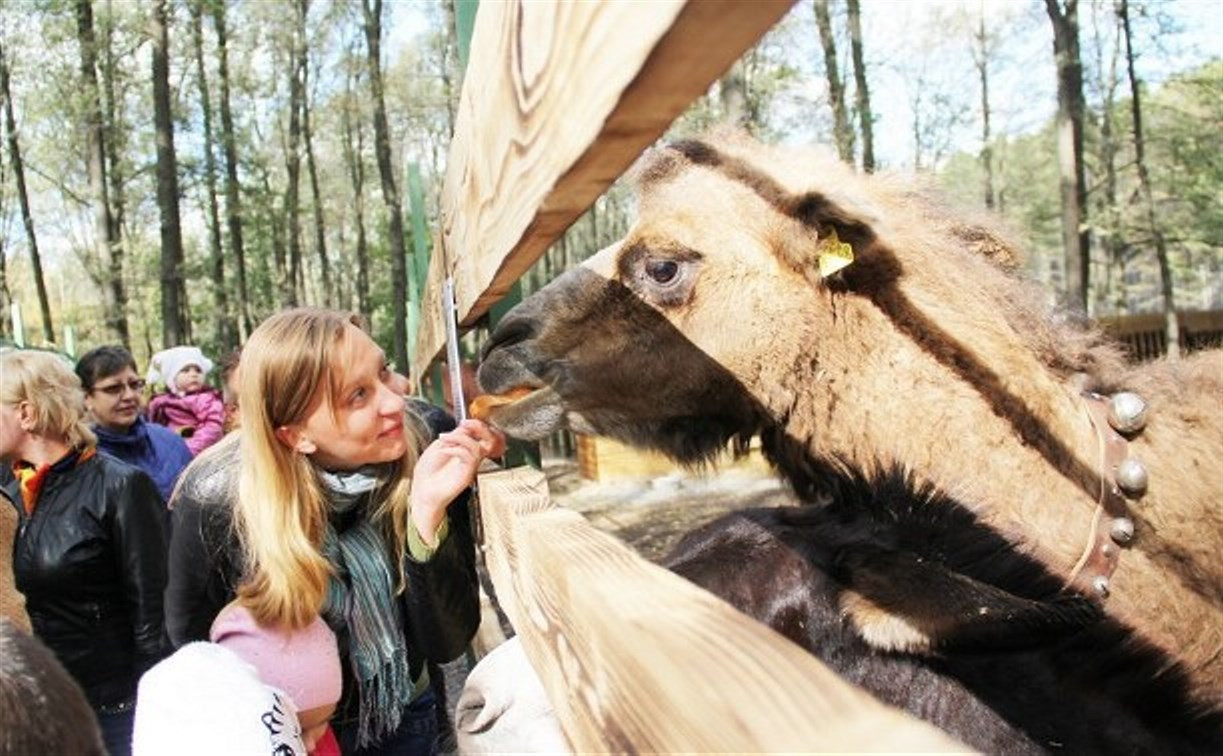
[(202, 412)]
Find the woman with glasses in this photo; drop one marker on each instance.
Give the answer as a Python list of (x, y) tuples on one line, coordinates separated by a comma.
[(90, 554), (113, 393)]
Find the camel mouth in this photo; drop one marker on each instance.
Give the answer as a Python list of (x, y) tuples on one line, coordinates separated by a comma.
[(530, 417)]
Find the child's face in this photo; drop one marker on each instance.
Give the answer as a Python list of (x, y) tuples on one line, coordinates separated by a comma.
[(313, 724), (189, 379)]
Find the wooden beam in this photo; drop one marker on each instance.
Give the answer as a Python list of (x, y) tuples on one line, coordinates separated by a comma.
[(559, 99), (636, 659)]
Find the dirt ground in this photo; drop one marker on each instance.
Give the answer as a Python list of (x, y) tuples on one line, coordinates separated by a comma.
[(649, 515)]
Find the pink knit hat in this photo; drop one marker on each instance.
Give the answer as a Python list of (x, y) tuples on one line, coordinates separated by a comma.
[(304, 664)]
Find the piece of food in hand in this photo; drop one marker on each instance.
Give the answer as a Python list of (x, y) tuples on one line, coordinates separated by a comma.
[(482, 406)]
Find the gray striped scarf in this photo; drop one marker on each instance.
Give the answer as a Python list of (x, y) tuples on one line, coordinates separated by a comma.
[(361, 597)]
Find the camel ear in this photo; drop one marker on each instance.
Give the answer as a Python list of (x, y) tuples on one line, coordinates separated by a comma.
[(839, 241), (897, 602), (292, 437)]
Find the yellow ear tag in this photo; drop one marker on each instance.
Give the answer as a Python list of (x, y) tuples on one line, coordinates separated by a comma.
[(834, 254)]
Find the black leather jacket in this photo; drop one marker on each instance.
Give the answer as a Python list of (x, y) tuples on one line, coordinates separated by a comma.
[(91, 561), (441, 604)]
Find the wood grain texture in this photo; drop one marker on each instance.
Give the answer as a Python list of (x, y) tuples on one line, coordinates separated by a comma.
[(559, 99), (634, 658)]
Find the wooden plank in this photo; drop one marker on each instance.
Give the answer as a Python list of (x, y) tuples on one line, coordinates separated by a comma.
[(558, 100), (636, 659)]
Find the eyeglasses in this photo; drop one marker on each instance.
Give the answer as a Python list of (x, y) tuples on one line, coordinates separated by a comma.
[(116, 389)]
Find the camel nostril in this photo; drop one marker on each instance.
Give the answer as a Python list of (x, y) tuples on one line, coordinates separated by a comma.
[(508, 332)]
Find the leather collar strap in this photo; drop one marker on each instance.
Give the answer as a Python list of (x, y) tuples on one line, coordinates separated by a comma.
[(1102, 554)]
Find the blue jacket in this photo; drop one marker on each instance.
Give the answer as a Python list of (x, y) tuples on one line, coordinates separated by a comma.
[(157, 450)]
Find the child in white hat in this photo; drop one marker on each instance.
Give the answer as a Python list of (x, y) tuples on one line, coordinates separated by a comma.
[(189, 406), (253, 690)]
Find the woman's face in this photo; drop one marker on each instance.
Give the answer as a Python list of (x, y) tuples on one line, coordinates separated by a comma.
[(364, 425), (114, 401), (11, 432)]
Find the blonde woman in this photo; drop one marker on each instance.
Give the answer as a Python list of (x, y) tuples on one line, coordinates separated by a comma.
[(90, 554), (327, 501)]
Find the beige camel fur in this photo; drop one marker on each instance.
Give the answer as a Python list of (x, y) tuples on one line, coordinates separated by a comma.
[(923, 353)]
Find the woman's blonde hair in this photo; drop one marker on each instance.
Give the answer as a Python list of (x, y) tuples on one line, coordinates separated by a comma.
[(291, 362), (46, 382)]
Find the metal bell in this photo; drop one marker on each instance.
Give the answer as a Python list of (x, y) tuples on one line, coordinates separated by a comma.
[(1127, 412), (1132, 477), (1100, 585), (1122, 530)]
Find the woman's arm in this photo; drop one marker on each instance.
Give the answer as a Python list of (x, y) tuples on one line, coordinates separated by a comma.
[(138, 535), (204, 564), (442, 603), (210, 422)]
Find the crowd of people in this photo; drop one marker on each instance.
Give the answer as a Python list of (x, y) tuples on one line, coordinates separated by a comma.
[(275, 563)]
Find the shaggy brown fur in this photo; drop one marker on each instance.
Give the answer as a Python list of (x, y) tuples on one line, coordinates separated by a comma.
[(710, 321)]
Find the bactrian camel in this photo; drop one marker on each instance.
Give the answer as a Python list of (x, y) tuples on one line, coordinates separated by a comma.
[(727, 311)]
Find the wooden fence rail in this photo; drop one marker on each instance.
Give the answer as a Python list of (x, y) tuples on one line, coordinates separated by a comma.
[(635, 658)]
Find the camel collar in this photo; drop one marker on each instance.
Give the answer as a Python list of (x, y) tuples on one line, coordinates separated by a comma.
[(1121, 476)]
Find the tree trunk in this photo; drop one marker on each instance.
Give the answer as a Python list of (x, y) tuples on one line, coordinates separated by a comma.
[(173, 326), (981, 53), (233, 192), (866, 118), (390, 194), (1076, 238), (115, 134), (223, 327), (291, 282), (23, 198), (841, 130), (354, 155), (733, 95), (114, 293), (320, 235), (1108, 219), (1171, 327)]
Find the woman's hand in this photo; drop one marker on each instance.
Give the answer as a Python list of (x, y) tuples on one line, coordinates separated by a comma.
[(445, 468)]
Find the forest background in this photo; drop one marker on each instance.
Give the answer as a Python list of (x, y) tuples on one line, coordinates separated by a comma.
[(175, 170)]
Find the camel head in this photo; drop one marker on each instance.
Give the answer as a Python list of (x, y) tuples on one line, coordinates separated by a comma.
[(720, 311), (708, 320)]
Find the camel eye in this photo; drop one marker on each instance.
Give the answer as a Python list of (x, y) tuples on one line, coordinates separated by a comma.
[(662, 271)]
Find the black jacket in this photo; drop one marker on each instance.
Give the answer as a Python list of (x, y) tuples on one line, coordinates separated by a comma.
[(440, 606), (91, 561)]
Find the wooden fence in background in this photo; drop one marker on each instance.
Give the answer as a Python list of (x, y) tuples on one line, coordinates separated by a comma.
[(1144, 337)]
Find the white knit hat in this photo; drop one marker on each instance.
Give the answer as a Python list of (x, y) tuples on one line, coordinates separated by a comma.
[(205, 700), (168, 363)]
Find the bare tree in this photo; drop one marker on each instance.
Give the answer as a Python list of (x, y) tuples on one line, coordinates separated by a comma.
[(981, 52), (114, 292), (1171, 327), (390, 194), (354, 155), (1106, 207), (842, 131), (113, 123), (866, 119), (291, 277), (233, 192), (1076, 237), (732, 92), (174, 328), (223, 329), (23, 198), (320, 236)]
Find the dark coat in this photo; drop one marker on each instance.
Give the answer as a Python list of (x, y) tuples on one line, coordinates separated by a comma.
[(440, 606), (159, 451), (91, 561)]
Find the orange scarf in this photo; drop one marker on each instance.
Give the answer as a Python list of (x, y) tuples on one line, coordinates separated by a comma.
[(31, 479)]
